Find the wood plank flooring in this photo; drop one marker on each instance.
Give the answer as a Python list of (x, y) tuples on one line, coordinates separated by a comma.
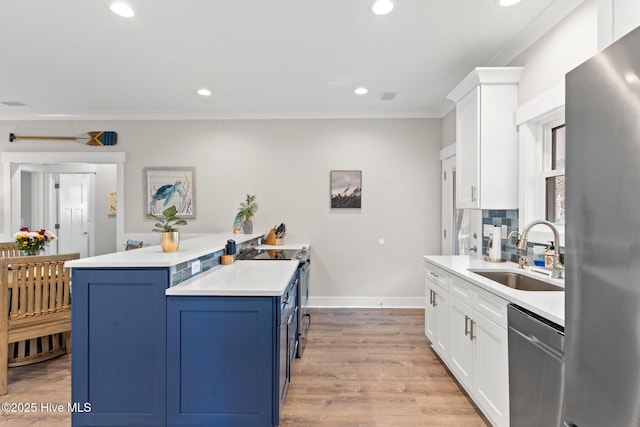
[(361, 368), (373, 368)]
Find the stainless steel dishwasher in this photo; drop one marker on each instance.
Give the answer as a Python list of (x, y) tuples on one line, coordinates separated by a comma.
[(536, 367)]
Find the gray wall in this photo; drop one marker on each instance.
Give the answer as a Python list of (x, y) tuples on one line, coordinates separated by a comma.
[(286, 163)]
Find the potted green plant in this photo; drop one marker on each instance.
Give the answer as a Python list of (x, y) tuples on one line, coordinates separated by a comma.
[(247, 210), (166, 225)]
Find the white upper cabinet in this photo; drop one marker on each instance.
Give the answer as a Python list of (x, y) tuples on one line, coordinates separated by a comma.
[(486, 138)]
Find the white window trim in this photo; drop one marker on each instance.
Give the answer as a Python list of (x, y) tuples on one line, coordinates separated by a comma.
[(534, 119)]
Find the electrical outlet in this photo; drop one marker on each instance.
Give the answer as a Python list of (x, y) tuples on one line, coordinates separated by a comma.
[(487, 229), (195, 267), (505, 231)]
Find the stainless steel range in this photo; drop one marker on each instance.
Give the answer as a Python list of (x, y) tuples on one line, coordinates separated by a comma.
[(272, 254), (302, 255)]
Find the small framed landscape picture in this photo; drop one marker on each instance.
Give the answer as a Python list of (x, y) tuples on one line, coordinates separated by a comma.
[(167, 186), (346, 189)]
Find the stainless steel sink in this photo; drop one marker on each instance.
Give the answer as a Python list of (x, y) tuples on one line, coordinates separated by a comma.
[(518, 281)]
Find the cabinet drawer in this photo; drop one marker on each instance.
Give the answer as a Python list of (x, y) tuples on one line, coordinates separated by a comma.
[(493, 307), (463, 290), (437, 275)]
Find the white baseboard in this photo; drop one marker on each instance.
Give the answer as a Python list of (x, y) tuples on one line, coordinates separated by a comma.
[(367, 302)]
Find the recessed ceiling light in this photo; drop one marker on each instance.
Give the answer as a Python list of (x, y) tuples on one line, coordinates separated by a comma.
[(121, 9), (506, 3), (204, 92), (382, 7), (361, 91)]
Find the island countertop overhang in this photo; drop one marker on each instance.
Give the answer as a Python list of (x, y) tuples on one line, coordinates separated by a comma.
[(242, 278), (153, 256)]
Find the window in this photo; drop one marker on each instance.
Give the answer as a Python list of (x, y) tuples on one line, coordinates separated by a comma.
[(554, 173), (541, 143)]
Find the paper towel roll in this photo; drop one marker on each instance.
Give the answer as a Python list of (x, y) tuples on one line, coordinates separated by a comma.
[(495, 247)]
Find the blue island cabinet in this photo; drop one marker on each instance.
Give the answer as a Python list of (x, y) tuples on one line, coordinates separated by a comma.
[(119, 346), (221, 363)]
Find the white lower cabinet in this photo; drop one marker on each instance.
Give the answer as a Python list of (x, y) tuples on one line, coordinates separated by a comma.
[(436, 318), (461, 345), (436, 313), (491, 369), (467, 327)]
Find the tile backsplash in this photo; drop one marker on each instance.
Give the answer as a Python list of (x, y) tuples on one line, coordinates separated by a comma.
[(508, 218)]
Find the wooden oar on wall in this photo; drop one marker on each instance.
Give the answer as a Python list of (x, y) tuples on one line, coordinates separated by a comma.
[(93, 138)]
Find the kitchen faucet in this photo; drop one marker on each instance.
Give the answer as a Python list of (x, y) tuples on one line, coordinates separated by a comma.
[(556, 273)]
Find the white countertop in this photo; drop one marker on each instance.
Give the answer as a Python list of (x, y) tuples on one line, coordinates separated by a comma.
[(242, 278), (152, 256), (548, 304)]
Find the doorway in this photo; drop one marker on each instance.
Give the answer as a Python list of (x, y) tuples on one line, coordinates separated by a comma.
[(455, 222), (15, 163), (61, 202)]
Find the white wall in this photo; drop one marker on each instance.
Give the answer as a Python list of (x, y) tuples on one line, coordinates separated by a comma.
[(570, 43), (105, 225), (286, 163), (449, 128)]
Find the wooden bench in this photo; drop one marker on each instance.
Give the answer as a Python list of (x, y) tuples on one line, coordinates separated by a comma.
[(35, 302), (9, 249), (36, 349)]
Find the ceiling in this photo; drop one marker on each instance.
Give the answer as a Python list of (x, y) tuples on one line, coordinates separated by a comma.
[(74, 59)]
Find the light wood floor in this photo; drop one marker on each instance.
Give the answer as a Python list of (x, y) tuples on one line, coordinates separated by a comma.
[(361, 368), (373, 368)]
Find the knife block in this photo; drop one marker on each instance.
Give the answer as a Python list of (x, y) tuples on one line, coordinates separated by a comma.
[(272, 240)]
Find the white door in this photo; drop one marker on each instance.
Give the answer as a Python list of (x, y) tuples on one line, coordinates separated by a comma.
[(448, 205), (73, 213)]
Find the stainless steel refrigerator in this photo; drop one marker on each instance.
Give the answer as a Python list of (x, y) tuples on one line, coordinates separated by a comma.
[(602, 325)]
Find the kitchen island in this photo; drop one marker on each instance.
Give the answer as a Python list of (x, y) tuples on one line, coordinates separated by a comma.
[(156, 342)]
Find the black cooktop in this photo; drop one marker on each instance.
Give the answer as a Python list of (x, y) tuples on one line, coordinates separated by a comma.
[(270, 254)]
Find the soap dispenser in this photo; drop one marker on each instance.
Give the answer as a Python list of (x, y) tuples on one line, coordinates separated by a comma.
[(548, 256)]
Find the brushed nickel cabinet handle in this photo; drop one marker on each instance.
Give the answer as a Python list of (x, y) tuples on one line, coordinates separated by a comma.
[(471, 336), (435, 294), (466, 325)]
